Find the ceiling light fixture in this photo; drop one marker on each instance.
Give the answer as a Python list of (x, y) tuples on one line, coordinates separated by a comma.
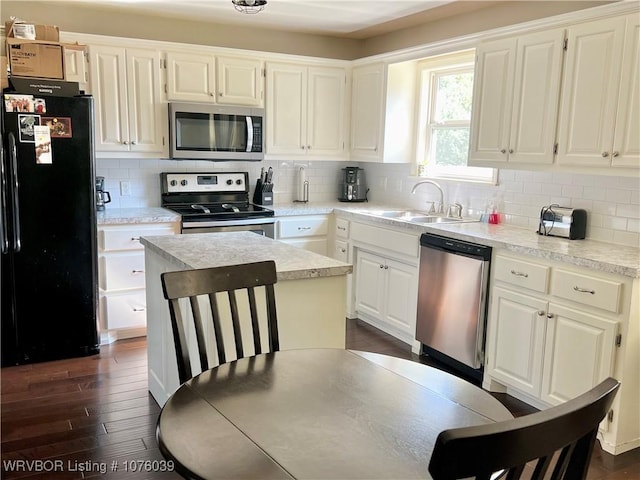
[(249, 6)]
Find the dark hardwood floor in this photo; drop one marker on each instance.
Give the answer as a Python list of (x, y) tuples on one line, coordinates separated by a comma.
[(72, 419)]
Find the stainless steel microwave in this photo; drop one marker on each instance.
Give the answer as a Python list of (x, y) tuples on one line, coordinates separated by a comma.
[(212, 132)]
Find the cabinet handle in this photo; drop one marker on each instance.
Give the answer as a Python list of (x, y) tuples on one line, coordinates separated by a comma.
[(342, 228), (504, 150), (139, 309), (381, 266), (302, 147), (125, 142), (304, 228), (519, 274), (308, 147), (133, 142), (549, 315), (511, 150), (343, 250), (135, 239), (137, 271), (212, 94), (540, 313), (386, 267), (615, 154), (584, 290), (605, 154)]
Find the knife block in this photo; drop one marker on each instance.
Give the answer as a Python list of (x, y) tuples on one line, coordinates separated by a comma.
[(263, 194)]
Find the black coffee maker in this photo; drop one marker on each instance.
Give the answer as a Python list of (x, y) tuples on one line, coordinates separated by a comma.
[(354, 186)]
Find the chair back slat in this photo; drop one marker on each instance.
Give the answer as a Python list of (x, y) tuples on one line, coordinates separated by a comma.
[(569, 428), (255, 326), (192, 284), (217, 329), (200, 335)]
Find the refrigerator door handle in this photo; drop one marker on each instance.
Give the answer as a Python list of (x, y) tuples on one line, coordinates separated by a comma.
[(4, 237), (13, 167)]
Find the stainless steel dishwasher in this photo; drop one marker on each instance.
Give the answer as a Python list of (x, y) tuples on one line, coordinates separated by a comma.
[(452, 302)]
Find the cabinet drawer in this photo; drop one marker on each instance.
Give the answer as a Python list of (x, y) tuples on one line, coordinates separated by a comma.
[(383, 238), (523, 274), (342, 228), (341, 251), (302, 226), (585, 289), (122, 271), (125, 311), (129, 238)]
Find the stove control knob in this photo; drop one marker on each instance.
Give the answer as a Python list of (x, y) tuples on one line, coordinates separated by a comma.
[(229, 182), (183, 183), (239, 182), (173, 183)]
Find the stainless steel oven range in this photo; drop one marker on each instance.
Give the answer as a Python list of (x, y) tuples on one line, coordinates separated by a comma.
[(215, 202)]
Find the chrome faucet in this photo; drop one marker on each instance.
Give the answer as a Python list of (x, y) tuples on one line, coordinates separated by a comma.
[(441, 206)]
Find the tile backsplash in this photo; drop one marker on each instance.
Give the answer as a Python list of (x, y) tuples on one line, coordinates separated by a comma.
[(612, 203)]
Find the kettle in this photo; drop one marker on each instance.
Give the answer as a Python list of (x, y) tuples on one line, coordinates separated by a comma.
[(102, 197)]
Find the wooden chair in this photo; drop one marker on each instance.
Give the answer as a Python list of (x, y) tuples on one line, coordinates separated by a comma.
[(567, 430), (210, 281)]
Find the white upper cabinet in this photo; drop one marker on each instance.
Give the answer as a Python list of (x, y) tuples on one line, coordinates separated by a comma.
[(305, 110), (383, 102), (239, 81), (515, 98), (367, 104), (130, 116), (599, 111), (206, 78), (75, 64), (191, 77)]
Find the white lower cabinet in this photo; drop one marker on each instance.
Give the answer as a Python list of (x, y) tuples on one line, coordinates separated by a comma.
[(305, 231), (385, 279), (121, 274), (555, 331), (386, 291)]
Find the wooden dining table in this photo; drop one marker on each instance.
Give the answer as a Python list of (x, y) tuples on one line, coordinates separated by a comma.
[(317, 414)]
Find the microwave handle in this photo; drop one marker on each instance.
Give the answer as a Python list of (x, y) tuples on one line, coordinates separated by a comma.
[(249, 133)]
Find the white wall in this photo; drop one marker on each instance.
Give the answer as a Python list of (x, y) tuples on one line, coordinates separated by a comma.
[(612, 203)]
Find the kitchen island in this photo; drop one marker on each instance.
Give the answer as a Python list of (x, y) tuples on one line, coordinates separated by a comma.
[(310, 293)]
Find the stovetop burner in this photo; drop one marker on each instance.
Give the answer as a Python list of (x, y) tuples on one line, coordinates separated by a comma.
[(229, 210)]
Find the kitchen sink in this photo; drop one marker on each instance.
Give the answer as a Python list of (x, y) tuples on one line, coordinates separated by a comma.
[(415, 216)]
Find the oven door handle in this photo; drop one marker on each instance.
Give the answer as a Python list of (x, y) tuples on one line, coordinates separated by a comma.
[(228, 223)]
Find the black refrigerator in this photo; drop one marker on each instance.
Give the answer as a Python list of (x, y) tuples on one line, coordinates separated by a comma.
[(48, 229)]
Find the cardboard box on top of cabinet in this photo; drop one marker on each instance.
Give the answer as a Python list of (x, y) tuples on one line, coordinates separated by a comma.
[(34, 58), (31, 31)]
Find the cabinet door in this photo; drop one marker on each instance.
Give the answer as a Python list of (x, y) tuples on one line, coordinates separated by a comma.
[(147, 113), (367, 107), (190, 77), (626, 141), (286, 109), (239, 81), (535, 98), (325, 111), (109, 89), (492, 101), (370, 284), (578, 353), (75, 63), (590, 93), (516, 340), (401, 296)]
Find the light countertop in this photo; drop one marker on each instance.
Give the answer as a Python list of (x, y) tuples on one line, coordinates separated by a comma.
[(600, 256), (116, 216), (204, 250)]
